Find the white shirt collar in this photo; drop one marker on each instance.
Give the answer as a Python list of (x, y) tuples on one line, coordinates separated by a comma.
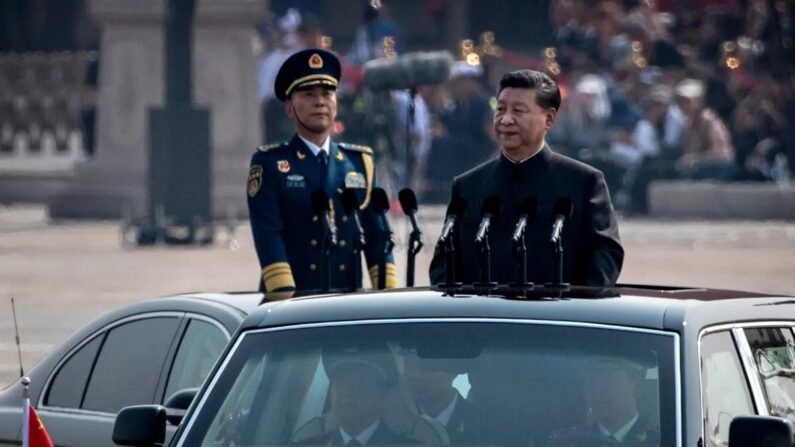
[(314, 147), (543, 143), (622, 432), (444, 417), (364, 436)]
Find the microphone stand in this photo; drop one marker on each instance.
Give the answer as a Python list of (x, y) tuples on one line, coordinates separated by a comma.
[(484, 250), (389, 244), (520, 255), (414, 247), (356, 257), (325, 261), (557, 264)]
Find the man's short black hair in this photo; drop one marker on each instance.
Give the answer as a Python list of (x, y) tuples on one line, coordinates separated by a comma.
[(547, 91)]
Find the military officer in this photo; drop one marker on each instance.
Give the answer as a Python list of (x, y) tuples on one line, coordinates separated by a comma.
[(526, 167), (282, 177)]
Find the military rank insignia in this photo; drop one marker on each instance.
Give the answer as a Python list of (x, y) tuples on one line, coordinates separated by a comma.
[(283, 166), (339, 156), (254, 180), (354, 179)]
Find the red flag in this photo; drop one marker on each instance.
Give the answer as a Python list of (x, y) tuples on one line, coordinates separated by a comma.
[(37, 434)]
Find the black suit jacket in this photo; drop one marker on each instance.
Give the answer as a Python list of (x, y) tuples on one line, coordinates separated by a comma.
[(592, 252), (463, 427), (381, 436)]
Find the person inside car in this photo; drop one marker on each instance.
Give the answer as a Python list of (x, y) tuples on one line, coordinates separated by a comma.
[(359, 378), (615, 418)]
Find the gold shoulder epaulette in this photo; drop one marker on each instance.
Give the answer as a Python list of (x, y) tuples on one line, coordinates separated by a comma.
[(270, 147), (356, 147)]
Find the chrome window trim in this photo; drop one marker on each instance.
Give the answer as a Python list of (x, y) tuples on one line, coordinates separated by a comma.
[(197, 406), (749, 365), (98, 332)]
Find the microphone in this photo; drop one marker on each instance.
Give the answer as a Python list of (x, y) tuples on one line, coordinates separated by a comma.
[(350, 203), (407, 71), (321, 207), (408, 201), (563, 210), (380, 203), (454, 211), (527, 210), (490, 210)]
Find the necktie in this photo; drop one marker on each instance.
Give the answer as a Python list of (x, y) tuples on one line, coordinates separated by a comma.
[(354, 443), (322, 157)]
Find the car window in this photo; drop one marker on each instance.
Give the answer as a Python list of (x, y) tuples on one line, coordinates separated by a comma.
[(69, 382), (129, 364), (724, 387), (773, 350), (198, 350), (479, 383)]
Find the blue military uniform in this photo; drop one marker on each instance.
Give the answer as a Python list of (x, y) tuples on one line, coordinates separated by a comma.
[(288, 235)]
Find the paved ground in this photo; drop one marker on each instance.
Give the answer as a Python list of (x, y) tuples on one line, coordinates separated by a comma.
[(63, 275)]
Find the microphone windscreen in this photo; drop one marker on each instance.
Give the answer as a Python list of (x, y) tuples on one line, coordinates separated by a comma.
[(379, 200), (491, 205), (457, 207), (320, 202), (563, 207), (384, 74), (408, 201), (428, 67), (529, 207), (350, 200)]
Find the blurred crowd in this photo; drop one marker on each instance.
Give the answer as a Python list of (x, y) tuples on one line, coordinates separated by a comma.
[(697, 89), (692, 90)]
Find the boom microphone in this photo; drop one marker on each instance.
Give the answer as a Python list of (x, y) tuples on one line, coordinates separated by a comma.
[(407, 71), (563, 210), (454, 212), (527, 210), (490, 210), (321, 207)]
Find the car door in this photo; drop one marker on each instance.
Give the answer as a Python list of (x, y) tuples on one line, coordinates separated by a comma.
[(120, 366), (725, 391), (199, 345), (140, 360)]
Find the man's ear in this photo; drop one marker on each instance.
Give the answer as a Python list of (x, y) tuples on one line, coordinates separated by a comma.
[(288, 108), (551, 115)]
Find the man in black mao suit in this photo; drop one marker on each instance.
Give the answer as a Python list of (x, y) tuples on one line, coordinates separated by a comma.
[(528, 102)]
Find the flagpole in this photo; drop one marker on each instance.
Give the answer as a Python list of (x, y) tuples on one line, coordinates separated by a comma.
[(25, 412)]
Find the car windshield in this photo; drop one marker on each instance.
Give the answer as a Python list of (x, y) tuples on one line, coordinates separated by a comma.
[(463, 382)]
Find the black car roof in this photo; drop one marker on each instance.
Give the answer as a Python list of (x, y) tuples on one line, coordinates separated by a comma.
[(647, 307)]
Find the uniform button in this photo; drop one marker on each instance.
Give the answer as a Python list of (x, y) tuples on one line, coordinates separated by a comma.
[(344, 218), (312, 267), (342, 267), (314, 218), (343, 243), (313, 242)]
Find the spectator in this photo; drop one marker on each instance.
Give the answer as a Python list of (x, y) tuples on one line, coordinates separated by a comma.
[(709, 153), (463, 140)]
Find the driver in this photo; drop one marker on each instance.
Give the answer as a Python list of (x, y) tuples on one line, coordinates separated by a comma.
[(359, 378)]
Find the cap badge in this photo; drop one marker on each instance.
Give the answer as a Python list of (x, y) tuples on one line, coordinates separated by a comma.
[(315, 61)]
